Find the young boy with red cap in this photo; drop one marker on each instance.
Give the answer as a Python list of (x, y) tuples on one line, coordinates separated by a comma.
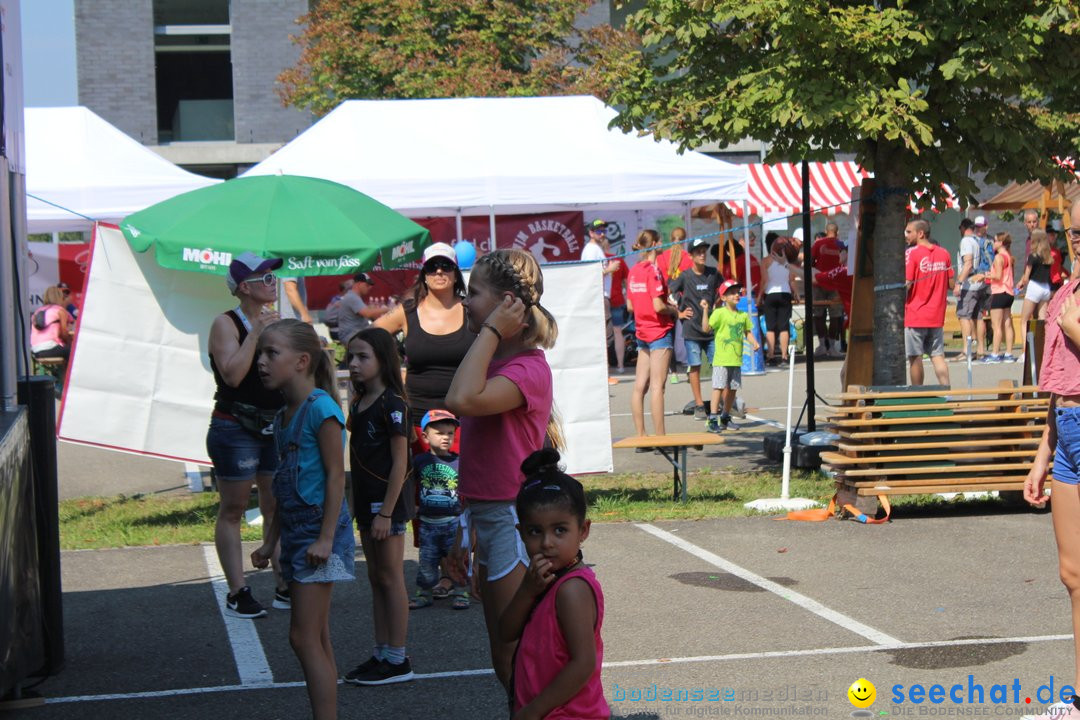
[(731, 327), (438, 509)]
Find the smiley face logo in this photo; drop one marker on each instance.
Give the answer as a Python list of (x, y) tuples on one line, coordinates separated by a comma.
[(862, 693)]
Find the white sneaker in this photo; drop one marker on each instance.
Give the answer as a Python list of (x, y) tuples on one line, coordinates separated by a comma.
[(822, 349), (1057, 711)]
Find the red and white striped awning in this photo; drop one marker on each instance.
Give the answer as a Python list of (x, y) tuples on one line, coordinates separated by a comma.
[(777, 188)]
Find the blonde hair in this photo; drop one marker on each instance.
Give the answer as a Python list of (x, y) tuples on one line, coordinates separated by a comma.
[(302, 338), (646, 239), (517, 272), (1004, 238), (678, 237), (1040, 246), (53, 295)]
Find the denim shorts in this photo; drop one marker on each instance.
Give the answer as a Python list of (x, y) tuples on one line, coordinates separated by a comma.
[(667, 342), (1067, 452), (236, 453), (618, 316), (697, 349), (498, 544), (300, 527)]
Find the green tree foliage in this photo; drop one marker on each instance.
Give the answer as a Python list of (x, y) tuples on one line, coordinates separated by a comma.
[(450, 48), (922, 91)]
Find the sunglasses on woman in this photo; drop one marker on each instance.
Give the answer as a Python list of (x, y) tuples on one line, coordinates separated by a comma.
[(268, 279), (439, 264)]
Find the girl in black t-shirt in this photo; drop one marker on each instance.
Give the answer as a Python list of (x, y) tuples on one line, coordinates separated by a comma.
[(382, 496)]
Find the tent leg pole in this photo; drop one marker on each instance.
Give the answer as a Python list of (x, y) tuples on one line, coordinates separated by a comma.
[(491, 221)]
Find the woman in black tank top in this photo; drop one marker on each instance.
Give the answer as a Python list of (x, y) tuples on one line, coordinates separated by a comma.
[(436, 335), (243, 454)]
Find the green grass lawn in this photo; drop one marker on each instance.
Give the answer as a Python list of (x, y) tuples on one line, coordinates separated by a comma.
[(123, 521)]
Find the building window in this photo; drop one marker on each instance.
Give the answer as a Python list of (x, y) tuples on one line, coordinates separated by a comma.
[(194, 70)]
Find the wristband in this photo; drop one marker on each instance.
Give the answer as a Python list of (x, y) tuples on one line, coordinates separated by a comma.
[(491, 327), (388, 517)]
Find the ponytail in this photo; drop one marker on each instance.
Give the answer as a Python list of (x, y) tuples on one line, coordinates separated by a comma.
[(325, 377), (517, 272), (553, 433), (678, 236)]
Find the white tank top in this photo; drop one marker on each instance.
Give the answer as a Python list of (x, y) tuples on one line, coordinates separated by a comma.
[(779, 277)]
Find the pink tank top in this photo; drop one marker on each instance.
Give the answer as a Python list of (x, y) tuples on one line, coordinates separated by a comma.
[(1005, 284), (542, 653), (1060, 372)]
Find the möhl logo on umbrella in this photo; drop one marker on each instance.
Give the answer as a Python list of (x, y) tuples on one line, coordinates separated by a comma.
[(206, 256)]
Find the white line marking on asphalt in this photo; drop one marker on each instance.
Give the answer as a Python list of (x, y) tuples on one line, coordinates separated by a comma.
[(767, 421), (875, 636), (151, 694), (247, 649)]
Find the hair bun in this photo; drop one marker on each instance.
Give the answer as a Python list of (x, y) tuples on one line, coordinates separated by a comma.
[(541, 462)]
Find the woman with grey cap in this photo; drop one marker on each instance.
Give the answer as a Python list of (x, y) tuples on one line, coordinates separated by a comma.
[(240, 441)]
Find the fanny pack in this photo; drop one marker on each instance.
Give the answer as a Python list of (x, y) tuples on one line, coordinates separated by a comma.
[(256, 421)]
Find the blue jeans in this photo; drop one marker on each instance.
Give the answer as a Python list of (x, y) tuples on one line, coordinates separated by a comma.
[(696, 348), (1067, 452), (436, 541), (666, 342)]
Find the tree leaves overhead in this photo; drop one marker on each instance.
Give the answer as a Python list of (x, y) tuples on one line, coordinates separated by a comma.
[(451, 48), (988, 82)]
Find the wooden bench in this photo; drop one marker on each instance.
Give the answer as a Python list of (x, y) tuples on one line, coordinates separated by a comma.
[(677, 445), (932, 440)]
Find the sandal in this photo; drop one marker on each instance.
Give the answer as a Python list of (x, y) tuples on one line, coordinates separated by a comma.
[(422, 599), (461, 600), (440, 591)]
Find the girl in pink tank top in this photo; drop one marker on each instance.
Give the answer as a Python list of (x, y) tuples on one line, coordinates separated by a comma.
[(558, 611)]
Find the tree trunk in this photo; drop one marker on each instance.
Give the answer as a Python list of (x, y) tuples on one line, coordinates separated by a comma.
[(893, 185)]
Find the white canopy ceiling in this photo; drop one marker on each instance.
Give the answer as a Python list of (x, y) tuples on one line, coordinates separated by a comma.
[(78, 162), (436, 157)]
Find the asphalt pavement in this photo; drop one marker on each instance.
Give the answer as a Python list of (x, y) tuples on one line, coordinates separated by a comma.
[(734, 617)]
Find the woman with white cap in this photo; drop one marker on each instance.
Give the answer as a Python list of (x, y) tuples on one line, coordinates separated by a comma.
[(436, 336), (238, 443)]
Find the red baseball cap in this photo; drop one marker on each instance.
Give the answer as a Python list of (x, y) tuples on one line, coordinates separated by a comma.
[(437, 416), (729, 285)]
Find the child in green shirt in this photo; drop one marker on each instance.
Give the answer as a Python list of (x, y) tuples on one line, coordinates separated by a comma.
[(731, 327)]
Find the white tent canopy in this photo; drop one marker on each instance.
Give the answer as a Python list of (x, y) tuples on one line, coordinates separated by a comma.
[(78, 162), (505, 155)]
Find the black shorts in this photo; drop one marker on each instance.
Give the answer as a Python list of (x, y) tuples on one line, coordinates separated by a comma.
[(1001, 301), (777, 311)]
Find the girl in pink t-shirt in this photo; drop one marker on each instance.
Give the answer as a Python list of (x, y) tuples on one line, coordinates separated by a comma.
[(502, 394), (558, 611)]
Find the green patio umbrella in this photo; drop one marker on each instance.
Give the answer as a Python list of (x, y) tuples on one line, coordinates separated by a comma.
[(317, 227)]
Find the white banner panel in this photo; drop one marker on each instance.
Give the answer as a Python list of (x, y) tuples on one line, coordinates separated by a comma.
[(140, 377)]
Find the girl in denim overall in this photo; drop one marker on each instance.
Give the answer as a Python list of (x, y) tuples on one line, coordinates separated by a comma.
[(312, 518)]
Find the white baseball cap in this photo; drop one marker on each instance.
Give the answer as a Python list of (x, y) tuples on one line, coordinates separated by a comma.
[(440, 249), (980, 220)]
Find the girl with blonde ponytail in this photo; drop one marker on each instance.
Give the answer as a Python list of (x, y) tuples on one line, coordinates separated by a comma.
[(502, 394)]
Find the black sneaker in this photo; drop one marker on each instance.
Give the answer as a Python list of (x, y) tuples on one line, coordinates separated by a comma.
[(384, 673), (283, 599), (242, 605), (362, 670), (725, 420)]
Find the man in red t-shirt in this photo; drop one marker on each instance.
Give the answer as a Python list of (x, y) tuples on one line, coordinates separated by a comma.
[(618, 309), (929, 280), (825, 257)]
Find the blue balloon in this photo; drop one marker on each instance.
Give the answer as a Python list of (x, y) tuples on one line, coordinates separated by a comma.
[(466, 254)]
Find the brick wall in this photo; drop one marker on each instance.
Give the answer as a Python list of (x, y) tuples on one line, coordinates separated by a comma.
[(115, 54), (261, 49)]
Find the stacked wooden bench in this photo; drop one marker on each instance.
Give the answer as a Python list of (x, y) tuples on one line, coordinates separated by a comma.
[(898, 441)]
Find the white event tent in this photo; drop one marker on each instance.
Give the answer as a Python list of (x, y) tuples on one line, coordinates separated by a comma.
[(75, 161), (476, 156)]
